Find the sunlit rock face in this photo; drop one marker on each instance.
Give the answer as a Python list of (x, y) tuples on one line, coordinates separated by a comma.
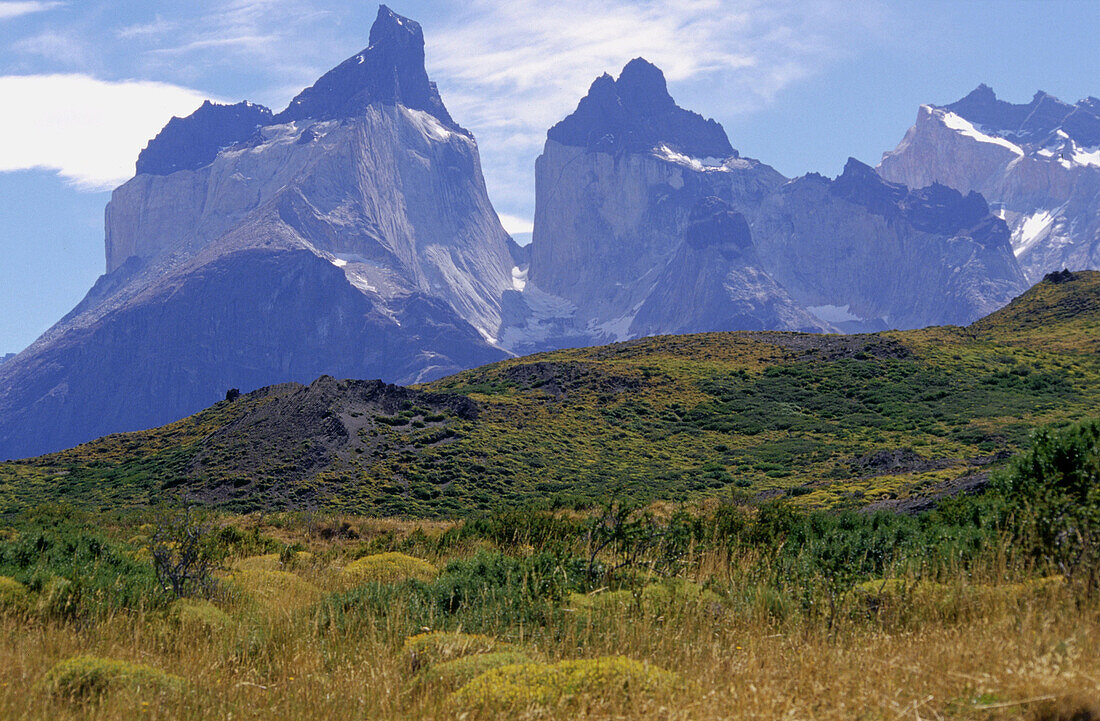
[(1038, 165), (349, 235)]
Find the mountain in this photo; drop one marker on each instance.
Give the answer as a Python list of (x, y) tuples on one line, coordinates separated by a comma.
[(867, 254), (715, 282), (1037, 163), (349, 234), (610, 258), (836, 420)]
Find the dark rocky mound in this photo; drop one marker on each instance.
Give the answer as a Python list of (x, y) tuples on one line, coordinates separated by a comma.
[(390, 70), (193, 142), (636, 114), (293, 432)]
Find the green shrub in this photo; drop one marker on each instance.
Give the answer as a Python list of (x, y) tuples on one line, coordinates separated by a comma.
[(389, 567), (1053, 497), (13, 595), (197, 615)]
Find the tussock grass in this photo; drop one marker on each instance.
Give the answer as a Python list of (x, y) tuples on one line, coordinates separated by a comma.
[(389, 567)]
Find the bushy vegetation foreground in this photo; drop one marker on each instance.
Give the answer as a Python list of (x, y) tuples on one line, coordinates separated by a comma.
[(985, 607)]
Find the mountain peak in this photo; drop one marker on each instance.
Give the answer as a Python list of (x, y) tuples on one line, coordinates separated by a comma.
[(193, 142), (392, 29), (636, 114), (390, 70)]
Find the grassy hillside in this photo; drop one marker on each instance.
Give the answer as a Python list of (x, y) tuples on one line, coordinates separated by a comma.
[(838, 421)]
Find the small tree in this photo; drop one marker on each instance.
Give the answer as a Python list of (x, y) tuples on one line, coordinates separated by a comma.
[(183, 552), (1053, 493)]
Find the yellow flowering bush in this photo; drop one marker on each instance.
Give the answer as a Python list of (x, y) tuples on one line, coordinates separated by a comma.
[(197, 615), (276, 590), (654, 598), (90, 675), (458, 672), (13, 595), (426, 649), (565, 683), (389, 568)]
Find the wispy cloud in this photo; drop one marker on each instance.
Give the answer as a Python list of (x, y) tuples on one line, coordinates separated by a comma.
[(88, 130), (54, 45), (511, 68), (153, 29), (15, 9)]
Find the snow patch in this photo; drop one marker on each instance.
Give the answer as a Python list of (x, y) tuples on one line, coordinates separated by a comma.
[(965, 127), (701, 165), (428, 125), (834, 313), (1032, 229), (519, 278)]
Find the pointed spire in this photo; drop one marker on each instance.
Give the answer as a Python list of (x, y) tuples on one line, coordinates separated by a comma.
[(389, 70)]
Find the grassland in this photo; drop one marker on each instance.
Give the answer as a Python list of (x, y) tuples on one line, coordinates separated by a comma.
[(842, 422), (731, 613), (696, 527)]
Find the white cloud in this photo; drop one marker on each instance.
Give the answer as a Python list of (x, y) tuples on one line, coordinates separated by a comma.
[(15, 9), (90, 131), (515, 224)]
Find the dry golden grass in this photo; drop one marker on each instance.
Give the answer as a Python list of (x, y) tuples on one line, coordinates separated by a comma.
[(984, 655)]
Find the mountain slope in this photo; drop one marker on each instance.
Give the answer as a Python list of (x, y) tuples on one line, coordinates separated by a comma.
[(1038, 163), (832, 420), (350, 234)]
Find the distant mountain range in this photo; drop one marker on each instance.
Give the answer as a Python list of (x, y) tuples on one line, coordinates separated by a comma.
[(1037, 164), (351, 235)]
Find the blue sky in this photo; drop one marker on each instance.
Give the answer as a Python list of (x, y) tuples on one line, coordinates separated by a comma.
[(799, 84)]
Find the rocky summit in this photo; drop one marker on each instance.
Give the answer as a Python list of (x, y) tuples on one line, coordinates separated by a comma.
[(350, 234), (1037, 163)]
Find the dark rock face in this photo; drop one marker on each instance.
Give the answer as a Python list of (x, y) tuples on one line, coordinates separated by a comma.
[(636, 114), (245, 320), (193, 142), (933, 209), (390, 70), (1059, 276), (1035, 120), (300, 430)]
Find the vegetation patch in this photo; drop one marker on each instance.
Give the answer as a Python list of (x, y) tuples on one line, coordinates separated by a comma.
[(453, 674), (579, 683), (434, 647), (276, 590), (83, 676), (13, 595), (391, 567)]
